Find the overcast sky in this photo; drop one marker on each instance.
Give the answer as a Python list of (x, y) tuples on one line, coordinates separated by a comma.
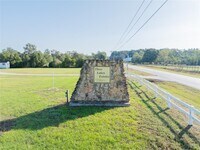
[(91, 26)]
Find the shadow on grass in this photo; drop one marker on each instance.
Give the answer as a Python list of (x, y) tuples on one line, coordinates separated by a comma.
[(183, 130), (52, 116)]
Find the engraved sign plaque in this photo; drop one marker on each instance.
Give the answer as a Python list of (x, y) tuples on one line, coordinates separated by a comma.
[(101, 74)]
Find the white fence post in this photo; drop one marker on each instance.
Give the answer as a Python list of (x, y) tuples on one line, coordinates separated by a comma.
[(147, 87), (191, 113), (169, 105), (171, 100), (53, 84), (156, 92)]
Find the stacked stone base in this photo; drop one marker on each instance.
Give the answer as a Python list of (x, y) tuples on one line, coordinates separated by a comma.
[(99, 103), (111, 91)]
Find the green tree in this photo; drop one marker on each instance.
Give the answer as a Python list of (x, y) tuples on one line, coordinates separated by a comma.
[(12, 56), (99, 55), (56, 63), (58, 58), (79, 60), (137, 57), (37, 59), (29, 48), (48, 58), (67, 61), (150, 56), (163, 57)]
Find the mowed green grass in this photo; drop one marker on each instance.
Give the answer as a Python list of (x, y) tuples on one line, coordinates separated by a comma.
[(34, 116), (42, 70), (185, 93)]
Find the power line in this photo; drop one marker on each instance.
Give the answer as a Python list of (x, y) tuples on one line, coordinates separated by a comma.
[(136, 21), (130, 22), (143, 24)]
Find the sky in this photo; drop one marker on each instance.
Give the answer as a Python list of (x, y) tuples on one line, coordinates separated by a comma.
[(97, 25)]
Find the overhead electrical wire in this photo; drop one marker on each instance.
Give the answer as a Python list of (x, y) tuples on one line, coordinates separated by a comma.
[(144, 24), (130, 22), (136, 21)]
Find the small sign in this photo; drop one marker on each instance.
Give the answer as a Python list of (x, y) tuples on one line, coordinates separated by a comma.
[(102, 74)]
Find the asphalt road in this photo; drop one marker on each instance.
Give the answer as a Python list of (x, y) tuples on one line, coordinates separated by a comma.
[(168, 76)]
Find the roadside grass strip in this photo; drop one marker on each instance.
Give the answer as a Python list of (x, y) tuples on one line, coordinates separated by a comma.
[(177, 129)]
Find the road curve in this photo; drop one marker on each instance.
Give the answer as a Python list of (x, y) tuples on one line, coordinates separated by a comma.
[(168, 76)]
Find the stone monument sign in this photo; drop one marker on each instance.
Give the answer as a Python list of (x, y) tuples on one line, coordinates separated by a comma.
[(101, 83)]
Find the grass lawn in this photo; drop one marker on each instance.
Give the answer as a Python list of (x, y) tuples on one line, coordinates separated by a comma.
[(185, 93), (42, 70), (33, 115)]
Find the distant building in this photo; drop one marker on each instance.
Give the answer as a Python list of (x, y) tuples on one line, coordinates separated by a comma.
[(128, 59), (4, 65)]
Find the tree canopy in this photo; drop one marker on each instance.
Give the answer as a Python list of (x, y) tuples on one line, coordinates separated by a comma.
[(32, 57), (161, 56)]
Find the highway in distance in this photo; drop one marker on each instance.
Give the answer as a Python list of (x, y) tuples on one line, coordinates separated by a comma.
[(168, 76)]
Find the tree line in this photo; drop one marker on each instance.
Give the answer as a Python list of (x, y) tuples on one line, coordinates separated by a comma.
[(161, 56), (32, 57)]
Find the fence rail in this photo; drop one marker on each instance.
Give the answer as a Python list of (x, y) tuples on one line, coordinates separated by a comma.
[(190, 111)]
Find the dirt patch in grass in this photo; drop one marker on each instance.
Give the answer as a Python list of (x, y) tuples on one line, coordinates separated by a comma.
[(155, 80)]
